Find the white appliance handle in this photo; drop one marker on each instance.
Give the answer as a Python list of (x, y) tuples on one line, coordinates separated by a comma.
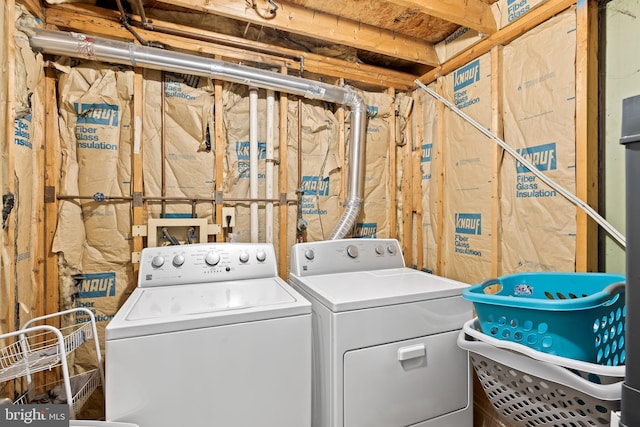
[(411, 352)]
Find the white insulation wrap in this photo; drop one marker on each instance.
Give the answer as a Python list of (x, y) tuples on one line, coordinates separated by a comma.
[(94, 48)]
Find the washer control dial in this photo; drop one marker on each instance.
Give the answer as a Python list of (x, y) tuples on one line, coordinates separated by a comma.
[(261, 255), (244, 257), (352, 251), (391, 249), (157, 261), (212, 259), (178, 261), (380, 250), (309, 254)]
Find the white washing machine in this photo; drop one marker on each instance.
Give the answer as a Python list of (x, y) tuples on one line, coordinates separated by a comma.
[(384, 337), (210, 337)]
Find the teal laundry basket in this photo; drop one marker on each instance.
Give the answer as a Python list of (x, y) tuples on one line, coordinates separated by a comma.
[(580, 316)]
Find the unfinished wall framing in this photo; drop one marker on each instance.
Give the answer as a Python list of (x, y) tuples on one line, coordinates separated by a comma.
[(176, 146)]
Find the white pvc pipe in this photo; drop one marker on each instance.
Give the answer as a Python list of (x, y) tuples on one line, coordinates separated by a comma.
[(566, 193), (269, 167), (253, 161)]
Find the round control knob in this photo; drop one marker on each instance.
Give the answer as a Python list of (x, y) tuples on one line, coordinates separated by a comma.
[(391, 249), (157, 261), (309, 254), (380, 250), (352, 251), (244, 257), (178, 260), (212, 258), (261, 255)]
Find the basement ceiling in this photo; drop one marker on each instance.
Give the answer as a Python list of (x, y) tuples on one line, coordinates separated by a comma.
[(396, 35)]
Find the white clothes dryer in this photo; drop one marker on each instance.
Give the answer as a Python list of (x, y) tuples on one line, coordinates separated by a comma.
[(210, 337), (384, 337)]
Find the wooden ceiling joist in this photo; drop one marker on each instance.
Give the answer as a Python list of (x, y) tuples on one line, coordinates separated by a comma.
[(106, 23), (298, 20), (468, 13)]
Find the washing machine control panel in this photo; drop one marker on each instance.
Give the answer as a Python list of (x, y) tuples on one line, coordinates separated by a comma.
[(206, 262), (344, 255)]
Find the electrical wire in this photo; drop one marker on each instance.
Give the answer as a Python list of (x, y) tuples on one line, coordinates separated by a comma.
[(566, 193)]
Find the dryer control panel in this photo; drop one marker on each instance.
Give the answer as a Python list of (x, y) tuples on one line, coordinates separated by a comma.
[(206, 262), (345, 255)]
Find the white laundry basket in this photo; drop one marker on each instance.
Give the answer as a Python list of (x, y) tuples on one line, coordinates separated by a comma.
[(530, 388)]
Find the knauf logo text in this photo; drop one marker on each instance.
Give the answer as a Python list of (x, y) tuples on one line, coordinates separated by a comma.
[(468, 223), (367, 230), (542, 157), (97, 114), (95, 285), (426, 153), (243, 150), (315, 185), (466, 75)]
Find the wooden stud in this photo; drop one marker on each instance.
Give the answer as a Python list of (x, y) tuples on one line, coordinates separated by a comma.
[(7, 94), (283, 183), (393, 168), (587, 132), (297, 19), (40, 246), (496, 159), (530, 20), (407, 194), (221, 145), (52, 166), (417, 181), (438, 162), (136, 160)]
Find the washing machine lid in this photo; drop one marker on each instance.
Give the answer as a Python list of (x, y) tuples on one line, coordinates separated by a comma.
[(376, 288), (157, 310)]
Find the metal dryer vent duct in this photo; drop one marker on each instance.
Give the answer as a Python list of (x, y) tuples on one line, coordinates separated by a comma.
[(99, 49)]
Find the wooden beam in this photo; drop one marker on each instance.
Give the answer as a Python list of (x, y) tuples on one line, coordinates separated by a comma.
[(393, 169), (106, 23), (407, 194), (283, 183), (530, 20), (587, 132), (137, 189), (474, 14), (438, 162), (51, 169), (220, 139), (497, 156), (51, 175), (299, 20), (417, 180), (7, 97)]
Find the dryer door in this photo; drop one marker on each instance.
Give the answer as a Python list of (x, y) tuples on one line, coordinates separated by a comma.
[(404, 383)]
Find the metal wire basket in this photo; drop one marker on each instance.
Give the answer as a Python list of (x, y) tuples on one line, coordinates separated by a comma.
[(529, 388)]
